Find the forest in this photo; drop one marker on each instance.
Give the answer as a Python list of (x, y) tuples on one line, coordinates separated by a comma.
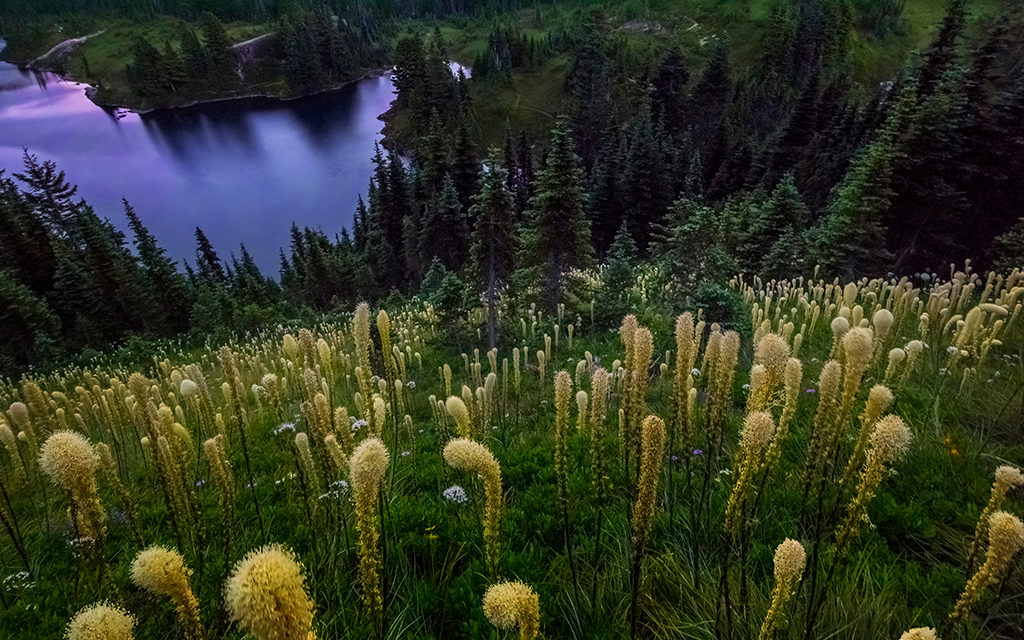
[(639, 330)]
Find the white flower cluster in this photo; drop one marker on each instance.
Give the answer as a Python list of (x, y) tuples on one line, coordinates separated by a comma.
[(285, 426), (455, 494)]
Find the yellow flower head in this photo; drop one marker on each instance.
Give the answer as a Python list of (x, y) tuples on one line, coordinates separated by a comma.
[(68, 459), (510, 605), (161, 571), (101, 622), (267, 596)]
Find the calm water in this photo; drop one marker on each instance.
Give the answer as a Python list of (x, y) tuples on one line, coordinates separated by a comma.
[(242, 170)]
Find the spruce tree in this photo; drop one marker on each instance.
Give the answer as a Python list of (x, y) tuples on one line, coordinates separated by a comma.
[(494, 240), (165, 288), (211, 271), (557, 235), (218, 50)]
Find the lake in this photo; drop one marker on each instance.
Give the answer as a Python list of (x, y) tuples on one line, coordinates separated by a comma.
[(243, 170)]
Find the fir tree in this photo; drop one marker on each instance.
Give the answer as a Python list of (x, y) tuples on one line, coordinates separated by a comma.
[(557, 237), (211, 271), (164, 285), (494, 240)]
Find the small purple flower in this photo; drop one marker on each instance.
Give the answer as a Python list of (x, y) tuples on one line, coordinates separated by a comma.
[(406, 453), (674, 458), (200, 483), (811, 391), (698, 452)]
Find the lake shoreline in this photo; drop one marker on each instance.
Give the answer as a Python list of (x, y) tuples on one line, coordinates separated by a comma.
[(92, 91)]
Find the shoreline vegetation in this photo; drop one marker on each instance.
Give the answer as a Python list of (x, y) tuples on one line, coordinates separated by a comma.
[(92, 91)]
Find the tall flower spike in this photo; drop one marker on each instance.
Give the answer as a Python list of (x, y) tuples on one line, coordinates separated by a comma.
[(467, 455), (1006, 478), (790, 559), (460, 414), (162, 571), (101, 622), (652, 452), (513, 605), (1005, 540), (887, 445), (880, 398), (361, 336), (69, 460), (266, 595), (757, 433), (367, 465)]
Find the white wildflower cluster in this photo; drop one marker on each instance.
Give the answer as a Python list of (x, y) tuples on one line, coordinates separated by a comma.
[(455, 494), (359, 424), (285, 426)]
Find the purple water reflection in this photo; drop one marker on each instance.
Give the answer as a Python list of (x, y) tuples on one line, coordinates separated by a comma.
[(242, 170)]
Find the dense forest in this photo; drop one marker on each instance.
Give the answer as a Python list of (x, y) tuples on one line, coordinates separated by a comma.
[(679, 171)]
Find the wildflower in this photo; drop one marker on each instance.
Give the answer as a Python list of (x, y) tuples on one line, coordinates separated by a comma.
[(455, 494), (101, 622), (406, 453), (367, 465), (510, 605), (1005, 539), (285, 426), (68, 459), (698, 452), (266, 595), (163, 571), (790, 559), (920, 633), (472, 456)]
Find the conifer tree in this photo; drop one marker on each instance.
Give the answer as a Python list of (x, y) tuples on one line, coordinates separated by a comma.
[(557, 236), (164, 285), (218, 50), (211, 271), (851, 238), (494, 239)]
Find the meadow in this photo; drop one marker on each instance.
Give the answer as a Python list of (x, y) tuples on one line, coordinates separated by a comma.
[(837, 460)]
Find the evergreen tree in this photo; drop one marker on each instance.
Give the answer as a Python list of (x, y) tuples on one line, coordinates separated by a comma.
[(943, 50), (48, 191), (445, 234), (494, 240), (218, 50), (850, 240), (211, 271), (557, 237), (165, 287)]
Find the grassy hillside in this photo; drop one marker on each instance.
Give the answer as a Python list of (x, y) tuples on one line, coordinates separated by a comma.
[(566, 522)]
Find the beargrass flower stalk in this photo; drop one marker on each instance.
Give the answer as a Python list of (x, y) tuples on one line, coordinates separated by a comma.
[(467, 455), (914, 349), (582, 400), (68, 459), (19, 416), (513, 605), (215, 450), (722, 371), (888, 444), (880, 398), (772, 353), (563, 394), (840, 325), (857, 349), (828, 389), (336, 455), (1005, 540), (343, 430), (896, 357), (790, 560), (367, 466), (792, 377), (101, 621), (361, 336), (1006, 478), (456, 408), (643, 351), (757, 433), (266, 595), (40, 407), (306, 464), (163, 571), (882, 322), (384, 329), (652, 453), (17, 465)]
